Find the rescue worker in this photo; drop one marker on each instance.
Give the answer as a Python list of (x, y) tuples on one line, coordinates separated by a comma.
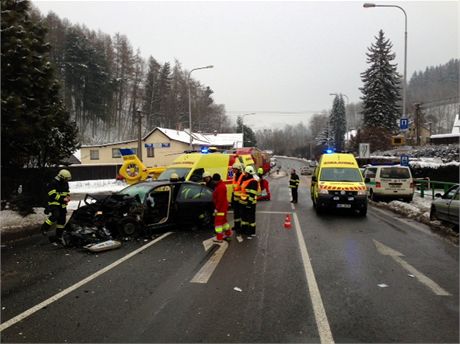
[(174, 178), (219, 198), (58, 198), (248, 201), (264, 194), (294, 185), (235, 201), (208, 180)]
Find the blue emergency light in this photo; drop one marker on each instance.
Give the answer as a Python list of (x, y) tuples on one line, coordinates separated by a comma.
[(329, 151), (204, 150)]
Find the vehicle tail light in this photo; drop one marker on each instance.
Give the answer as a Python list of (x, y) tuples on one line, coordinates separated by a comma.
[(378, 185), (411, 185)]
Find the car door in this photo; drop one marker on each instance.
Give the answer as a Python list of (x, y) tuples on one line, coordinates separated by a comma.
[(192, 201), (157, 205), (443, 205), (454, 207)]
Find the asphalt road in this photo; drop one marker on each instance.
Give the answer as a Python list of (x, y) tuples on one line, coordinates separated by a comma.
[(317, 281)]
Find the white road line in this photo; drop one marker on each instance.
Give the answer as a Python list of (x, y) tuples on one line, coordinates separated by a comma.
[(388, 251), (273, 212), (70, 289), (208, 268), (324, 329), (292, 206)]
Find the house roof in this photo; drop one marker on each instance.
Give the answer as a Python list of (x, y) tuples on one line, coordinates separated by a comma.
[(456, 126), (234, 140)]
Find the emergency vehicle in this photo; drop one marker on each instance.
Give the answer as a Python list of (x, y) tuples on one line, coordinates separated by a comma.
[(337, 183), (191, 166), (133, 170), (261, 159)]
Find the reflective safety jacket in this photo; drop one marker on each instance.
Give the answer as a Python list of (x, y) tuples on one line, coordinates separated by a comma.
[(249, 190), (236, 182), (294, 181), (58, 190)]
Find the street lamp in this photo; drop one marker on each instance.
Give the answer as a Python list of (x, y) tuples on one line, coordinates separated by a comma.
[(139, 132), (190, 102), (242, 122), (370, 5)]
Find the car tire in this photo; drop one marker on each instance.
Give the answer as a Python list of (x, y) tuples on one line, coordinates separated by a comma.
[(409, 199), (319, 209), (373, 196), (128, 227), (362, 212), (206, 222)]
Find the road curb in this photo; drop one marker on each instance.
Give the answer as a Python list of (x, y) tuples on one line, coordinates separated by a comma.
[(19, 233)]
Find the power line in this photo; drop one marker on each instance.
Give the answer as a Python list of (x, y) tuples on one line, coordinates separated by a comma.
[(263, 112)]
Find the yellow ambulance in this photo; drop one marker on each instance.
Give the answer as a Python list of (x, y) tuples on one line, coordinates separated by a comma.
[(337, 183), (191, 166)]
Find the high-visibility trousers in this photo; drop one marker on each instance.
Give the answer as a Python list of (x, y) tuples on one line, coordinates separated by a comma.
[(248, 219)]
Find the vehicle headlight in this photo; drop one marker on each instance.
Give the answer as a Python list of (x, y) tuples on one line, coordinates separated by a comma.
[(323, 191), (362, 192)]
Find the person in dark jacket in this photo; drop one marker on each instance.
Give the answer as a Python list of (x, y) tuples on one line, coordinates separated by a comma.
[(248, 201), (58, 198), (294, 185)]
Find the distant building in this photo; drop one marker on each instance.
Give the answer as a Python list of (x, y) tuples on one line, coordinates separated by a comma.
[(159, 147), (453, 137)]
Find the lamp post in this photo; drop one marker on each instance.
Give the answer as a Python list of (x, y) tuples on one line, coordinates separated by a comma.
[(370, 5), (190, 102), (242, 122), (139, 132)]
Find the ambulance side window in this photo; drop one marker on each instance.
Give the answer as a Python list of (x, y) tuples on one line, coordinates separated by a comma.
[(197, 175)]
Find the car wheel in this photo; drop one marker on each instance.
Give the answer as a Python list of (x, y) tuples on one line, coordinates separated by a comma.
[(362, 212), (128, 227), (373, 196), (206, 220), (433, 216), (319, 209)]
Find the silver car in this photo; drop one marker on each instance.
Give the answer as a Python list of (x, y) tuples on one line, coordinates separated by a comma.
[(446, 207)]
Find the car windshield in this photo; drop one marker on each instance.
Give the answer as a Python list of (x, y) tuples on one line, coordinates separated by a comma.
[(395, 173), (136, 189), (181, 172), (335, 174)]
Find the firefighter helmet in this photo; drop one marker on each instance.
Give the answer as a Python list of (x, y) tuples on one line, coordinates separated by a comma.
[(237, 166), (206, 174), (174, 177), (64, 175), (249, 169)]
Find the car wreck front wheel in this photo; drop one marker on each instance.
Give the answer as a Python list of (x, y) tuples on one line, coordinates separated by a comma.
[(128, 227)]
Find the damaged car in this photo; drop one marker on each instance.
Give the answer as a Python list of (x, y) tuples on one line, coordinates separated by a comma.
[(138, 209)]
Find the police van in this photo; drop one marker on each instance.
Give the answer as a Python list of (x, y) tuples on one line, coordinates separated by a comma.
[(337, 183)]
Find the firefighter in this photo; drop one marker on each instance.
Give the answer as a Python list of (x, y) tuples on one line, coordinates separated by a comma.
[(294, 185), (207, 179), (174, 178), (219, 197), (58, 198), (236, 182), (264, 194), (248, 201)]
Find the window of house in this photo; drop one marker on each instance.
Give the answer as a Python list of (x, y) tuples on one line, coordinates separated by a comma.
[(116, 153), (94, 154), (150, 152)]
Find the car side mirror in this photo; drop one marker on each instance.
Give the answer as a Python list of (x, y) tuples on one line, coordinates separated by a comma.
[(314, 179), (367, 180), (437, 195)]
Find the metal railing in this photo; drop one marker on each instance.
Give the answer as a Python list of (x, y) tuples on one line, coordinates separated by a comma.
[(425, 184)]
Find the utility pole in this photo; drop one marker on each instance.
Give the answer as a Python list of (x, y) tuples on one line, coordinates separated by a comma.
[(417, 123), (139, 133)]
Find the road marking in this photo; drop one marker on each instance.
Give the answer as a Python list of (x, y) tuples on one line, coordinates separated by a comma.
[(292, 206), (273, 212), (70, 289), (387, 251), (208, 268), (324, 329)]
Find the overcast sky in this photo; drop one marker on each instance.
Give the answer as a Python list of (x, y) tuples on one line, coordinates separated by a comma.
[(272, 57)]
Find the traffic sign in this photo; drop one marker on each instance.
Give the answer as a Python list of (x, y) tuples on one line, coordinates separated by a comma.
[(404, 160), (364, 150), (404, 123)]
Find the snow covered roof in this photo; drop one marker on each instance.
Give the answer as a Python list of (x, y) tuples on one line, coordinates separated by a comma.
[(456, 126), (438, 136)]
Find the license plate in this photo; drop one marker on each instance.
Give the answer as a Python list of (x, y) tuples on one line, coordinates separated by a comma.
[(343, 205)]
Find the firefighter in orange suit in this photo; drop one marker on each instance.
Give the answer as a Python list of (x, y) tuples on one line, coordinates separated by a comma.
[(219, 197), (236, 182), (248, 201)]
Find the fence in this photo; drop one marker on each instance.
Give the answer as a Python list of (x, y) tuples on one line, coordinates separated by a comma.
[(432, 185)]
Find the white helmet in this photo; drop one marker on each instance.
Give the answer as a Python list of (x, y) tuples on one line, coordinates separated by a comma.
[(174, 176), (206, 174), (249, 169), (237, 166), (64, 175)]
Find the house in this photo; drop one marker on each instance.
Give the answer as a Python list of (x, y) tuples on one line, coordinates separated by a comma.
[(453, 137), (159, 147)]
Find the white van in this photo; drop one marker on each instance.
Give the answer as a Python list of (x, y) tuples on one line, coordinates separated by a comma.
[(389, 182)]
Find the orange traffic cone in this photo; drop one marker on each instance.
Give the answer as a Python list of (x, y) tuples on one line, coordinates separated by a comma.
[(287, 222)]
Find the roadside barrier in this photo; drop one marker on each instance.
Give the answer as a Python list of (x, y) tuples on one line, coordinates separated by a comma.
[(425, 184)]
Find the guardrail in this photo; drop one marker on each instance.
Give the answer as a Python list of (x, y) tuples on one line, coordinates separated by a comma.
[(425, 184)]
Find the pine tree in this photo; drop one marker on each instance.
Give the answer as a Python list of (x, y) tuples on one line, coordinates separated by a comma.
[(381, 90), (36, 128), (338, 123), (249, 137)]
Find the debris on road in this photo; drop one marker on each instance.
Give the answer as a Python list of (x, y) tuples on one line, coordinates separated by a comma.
[(103, 246), (383, 285), (238, 289)]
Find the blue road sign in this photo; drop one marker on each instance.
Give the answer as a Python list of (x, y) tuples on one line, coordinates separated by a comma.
[(404, 160), (404, 123)]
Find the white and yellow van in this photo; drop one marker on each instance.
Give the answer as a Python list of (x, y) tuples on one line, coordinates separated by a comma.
[(338, 183), (191, 166)]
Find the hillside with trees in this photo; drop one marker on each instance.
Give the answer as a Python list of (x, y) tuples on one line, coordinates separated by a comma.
[(105, 81)]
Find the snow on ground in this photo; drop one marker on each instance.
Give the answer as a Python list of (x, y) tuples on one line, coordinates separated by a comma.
[(93, 186)]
